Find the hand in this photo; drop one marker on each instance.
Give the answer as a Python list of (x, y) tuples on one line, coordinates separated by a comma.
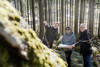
[(70, 48), (73, 46), (54, 41), (45, 22)]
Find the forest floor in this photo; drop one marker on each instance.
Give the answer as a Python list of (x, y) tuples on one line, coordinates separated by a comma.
[(77, 59)]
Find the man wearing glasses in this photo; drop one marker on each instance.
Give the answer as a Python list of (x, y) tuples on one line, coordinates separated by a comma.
[(85, 45)]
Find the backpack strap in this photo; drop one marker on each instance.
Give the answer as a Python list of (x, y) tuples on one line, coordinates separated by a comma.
[(89, 37)]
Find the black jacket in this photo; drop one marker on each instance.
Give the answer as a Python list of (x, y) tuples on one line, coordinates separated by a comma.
[(50, 34), (85, 47)]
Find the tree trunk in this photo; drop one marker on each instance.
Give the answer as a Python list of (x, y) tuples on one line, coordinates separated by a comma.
[(33, 15), (91, 15), (49, 4), (15, 3), (41, 17), (54, 11), (60, 17), (70, 13), (45, 4), (99, 25), (27, 11), (62, 14), (21, 4), (65, 13), (82, 12), (76, 17), (57, 9)]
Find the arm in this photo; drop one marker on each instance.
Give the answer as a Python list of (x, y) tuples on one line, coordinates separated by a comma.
[(84, 38), (62, 41), (55, 38), (46, 25), (78, 43)]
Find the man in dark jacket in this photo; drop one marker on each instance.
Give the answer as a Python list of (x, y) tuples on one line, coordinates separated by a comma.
[(50, 34), (85, 45)]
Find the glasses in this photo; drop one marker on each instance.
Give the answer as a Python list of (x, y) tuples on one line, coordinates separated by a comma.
[(67, 29), (81, 27)]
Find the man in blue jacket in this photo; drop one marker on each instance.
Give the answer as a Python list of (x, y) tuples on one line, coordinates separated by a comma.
[(68, 39)]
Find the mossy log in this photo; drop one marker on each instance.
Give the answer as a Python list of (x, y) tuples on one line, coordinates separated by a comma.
[(20, 46)]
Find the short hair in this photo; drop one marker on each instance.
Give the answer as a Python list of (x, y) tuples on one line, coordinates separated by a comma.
[(82, 25)]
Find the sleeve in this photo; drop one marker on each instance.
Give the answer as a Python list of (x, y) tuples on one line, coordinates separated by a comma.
[(47, 27), (55, 38), (84, 38), (62, 41), (78, 43)]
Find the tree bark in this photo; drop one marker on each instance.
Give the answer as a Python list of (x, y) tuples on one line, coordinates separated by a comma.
[(27, 10), (33, 15), (99, 25), (62, 14), (70, 14), (41, 17), (65, 13), (49, 4), (91, 15), (57, 9), (45, 4), (82, 12), (76, 17), (21, 4)]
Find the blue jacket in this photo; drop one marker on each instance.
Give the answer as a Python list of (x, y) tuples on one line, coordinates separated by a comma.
[(68, 39)]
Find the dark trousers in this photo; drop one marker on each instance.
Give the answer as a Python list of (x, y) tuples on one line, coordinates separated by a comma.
[(68, 57), (87, 60)]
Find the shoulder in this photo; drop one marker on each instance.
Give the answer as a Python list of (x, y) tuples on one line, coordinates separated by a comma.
[(64, 34), (73, 35), (86, 31)]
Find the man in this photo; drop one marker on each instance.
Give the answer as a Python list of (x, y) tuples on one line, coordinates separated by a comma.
[(85, 45), (68, 39), (50, 34)]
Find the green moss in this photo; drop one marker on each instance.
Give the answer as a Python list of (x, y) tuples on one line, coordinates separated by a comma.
[(14, 18), (77, 49), (17, 18), (1, 25), (96, 53), (11, 18)]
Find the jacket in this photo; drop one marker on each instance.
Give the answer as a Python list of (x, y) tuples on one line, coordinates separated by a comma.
[(50, 34), (85, 47), (68, 39)]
